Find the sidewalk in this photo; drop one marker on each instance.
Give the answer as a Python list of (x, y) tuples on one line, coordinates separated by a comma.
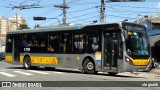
[(154, 73)]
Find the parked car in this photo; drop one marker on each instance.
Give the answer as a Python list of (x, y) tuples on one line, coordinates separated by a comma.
[(2, 56)]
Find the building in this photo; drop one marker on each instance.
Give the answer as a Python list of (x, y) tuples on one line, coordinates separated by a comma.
[(20, 20), (9, 25), (2, 42), (4, 25)]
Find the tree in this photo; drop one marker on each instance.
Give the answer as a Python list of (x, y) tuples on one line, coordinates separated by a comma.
[(23, 26)]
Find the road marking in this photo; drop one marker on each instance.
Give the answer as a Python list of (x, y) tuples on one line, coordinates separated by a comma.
[(7, 74), (58, 72), (40, 72), (24, 73)]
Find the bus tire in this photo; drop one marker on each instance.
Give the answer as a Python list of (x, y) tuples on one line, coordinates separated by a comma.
[(112, 73), (88, 66), (27, 63)]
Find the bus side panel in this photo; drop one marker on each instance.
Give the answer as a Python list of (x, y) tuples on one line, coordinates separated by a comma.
[(48, 60), (75, 61), (61, 60), (67, 60)]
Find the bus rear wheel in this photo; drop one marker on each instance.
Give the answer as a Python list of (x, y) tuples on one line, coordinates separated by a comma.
[(88, 67), (27, 63)]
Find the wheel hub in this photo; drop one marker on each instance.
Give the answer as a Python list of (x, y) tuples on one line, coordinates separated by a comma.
[(90, 66)]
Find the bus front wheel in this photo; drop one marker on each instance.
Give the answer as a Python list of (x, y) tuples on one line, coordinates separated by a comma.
[(88, 66), (27, 63)]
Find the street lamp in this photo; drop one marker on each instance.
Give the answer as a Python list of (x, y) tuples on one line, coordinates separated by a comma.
[(44, 18)]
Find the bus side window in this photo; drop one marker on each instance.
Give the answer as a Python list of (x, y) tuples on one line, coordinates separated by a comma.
[(24, 41), (27, 40), (66, 42), (79, 42), (53, 42), (63, 45), (41, 41), (9, 44), (93, 41), (120, 51)]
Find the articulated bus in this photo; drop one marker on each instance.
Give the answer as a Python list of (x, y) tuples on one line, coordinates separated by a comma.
[(112, 48)]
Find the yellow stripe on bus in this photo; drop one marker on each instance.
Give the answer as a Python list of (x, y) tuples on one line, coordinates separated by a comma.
[(41, 60), (8, 58), (139, 62), (36, 59), (21, 59)]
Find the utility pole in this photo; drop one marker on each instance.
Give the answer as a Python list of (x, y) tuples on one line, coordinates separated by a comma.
[(102, 11), (64, 7), (16, 22)]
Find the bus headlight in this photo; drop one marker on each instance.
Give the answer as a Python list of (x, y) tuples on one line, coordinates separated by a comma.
[(129, 61)]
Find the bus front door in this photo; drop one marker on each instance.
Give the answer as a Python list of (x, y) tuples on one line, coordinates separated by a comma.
[(110, 50), (16, 48)]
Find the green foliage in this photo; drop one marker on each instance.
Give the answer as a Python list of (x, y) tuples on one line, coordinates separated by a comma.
[(23, 26)]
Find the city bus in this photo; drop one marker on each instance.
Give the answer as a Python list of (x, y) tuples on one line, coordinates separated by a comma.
[(112, 47)]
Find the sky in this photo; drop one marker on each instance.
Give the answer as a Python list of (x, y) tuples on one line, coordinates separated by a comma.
[(80, 11)]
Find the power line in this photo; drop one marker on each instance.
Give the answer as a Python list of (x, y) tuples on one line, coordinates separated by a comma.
[(85, 3), (132, 7), (72, 2), (116, 16), (85, 18), (122, 10), (81, 15), (44, 13), (84, 9)]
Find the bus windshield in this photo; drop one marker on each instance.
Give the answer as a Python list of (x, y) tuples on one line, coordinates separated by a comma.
[(137, 43)]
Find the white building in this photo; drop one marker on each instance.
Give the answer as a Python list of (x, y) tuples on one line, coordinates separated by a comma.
[(14, 24)]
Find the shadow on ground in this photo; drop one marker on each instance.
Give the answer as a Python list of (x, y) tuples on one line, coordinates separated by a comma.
[(71, 71)]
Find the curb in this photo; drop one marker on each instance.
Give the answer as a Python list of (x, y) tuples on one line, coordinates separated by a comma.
[(156, 71)]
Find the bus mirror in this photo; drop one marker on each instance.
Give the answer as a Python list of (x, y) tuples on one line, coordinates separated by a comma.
[(125, 34)]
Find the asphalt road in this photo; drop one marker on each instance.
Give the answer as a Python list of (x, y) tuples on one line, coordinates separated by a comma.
[(9, 72)]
